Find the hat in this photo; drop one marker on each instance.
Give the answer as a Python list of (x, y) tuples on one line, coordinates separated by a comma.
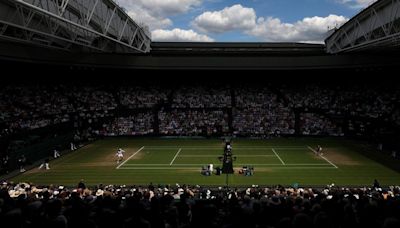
[(25, 185), (99, 192), (14, 193), (36, 190), (11, 193), (248, 191)]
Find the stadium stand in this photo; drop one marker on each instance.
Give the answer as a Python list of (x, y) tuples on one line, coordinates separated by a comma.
[(235, 109), (196, 206)]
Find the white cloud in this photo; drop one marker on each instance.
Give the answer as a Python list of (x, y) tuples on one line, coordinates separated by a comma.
[(156, 13), (154, 22), (308, 29), (162, 8), (230, 18), (356, 3), (169, 7), (270, 29), (179, 35)]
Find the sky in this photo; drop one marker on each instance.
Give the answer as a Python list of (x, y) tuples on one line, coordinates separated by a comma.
[(242, 20)]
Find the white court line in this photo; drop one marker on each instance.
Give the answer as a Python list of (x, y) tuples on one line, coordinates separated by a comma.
[(269, 147), (302, 167), (300, 164), (309, 164), (187, 148), (265, 148), (188, 164), (287, 148), (283, 163), (263, 164), (130, 157), (176, 155), (323, 157), (164, 168), (199, 155), (221, 148), (213, 155), (258, 155), (191, 168)]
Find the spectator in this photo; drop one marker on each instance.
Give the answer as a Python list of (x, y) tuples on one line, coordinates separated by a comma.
[(21, 163), (56, 154), (73, 146), (81, 184), (45, 164)]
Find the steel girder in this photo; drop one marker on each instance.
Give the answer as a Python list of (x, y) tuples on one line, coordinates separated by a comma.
[(377, 26), (92, 25)]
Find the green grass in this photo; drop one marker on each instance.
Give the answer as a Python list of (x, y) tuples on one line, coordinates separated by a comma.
[(169, 161)]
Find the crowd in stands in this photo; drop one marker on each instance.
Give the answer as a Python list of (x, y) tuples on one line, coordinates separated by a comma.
[(192, 122), (142, 97), (255, 97), (259, 121), (260, 112), (357, 100), (30, 107), (254, 109), (92, 99), (314, 124), (30, 205), (139, 124), (201, 97)]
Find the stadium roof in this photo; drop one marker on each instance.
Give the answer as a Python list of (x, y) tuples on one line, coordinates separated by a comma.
[(204, 56), (362, 14), (236, 48)]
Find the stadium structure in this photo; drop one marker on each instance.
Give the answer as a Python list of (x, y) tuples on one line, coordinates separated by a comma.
[(146, 150), (100, 34)]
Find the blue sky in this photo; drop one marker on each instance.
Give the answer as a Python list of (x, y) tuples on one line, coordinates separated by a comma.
[(242, 20)]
